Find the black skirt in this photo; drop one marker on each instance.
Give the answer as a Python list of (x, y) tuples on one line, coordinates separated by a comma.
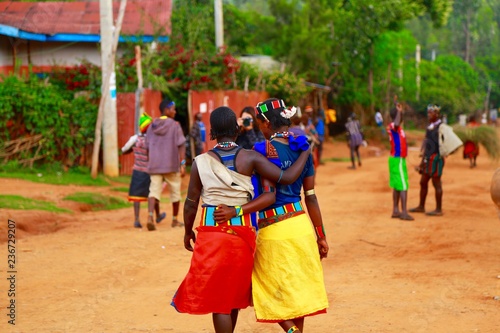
[(139, 186)]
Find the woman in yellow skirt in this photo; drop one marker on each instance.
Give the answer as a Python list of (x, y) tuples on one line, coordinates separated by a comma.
[(287, 278)]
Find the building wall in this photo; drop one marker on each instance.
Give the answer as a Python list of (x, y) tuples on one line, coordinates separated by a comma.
[(44, 54)]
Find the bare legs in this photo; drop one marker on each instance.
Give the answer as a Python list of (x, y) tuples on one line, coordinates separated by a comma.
[(424, 189), (137, 209), (224, 323), (403, 215), (154, 207), (355, 151)]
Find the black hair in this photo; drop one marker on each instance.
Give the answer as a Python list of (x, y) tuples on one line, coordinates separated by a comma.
[(248, 109), (251, 111), (274, 116), (223, 123), (164, 104)]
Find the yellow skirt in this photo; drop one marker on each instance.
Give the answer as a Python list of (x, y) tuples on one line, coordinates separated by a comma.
[(287, 278)]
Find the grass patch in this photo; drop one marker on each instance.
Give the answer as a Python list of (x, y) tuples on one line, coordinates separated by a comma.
[(57, 179), (52, 174), (22, 203), (120, 189), (120, 179), (98, 201)]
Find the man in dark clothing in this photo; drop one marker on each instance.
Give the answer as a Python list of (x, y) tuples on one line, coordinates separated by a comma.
[(198, 134), (432, 163), (165, 143)]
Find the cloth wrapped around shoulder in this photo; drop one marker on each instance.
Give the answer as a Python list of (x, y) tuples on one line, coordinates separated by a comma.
[(221, 185)]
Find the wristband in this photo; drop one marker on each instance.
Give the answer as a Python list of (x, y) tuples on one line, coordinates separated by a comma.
[(267, 189), (320, 231), (292, 329), (183, 162)]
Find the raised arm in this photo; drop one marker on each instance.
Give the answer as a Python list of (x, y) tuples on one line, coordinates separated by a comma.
[(399, 115)]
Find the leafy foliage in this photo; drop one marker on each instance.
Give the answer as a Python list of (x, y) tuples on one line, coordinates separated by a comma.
[(30, 106)]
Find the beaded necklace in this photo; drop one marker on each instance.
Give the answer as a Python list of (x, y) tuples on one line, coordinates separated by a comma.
[(284, 135), (228, 144)]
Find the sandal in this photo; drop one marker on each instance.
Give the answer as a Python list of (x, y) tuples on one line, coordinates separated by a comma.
[(395, 215), (176, 223), (417, 210), (151, 226), (434, 213), (406, 217), (161, 217)]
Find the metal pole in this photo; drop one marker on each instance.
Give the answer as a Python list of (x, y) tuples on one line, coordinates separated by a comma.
[(110, 131), (219, 24)]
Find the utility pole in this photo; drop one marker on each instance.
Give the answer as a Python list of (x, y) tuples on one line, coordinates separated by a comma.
[(108, 85), (219, 24), (110, 131)]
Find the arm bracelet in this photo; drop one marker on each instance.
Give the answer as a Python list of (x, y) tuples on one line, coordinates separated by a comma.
[(309, 192), (320, 231), (281, 175)]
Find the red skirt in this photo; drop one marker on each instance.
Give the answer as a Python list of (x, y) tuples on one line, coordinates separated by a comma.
[(220, 277), (471, 149)]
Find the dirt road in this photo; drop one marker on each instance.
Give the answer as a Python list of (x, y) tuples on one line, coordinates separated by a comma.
[(93, 272)]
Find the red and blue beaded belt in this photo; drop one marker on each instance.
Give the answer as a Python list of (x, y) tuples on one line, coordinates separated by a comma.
[(280, 213), (207, 218)]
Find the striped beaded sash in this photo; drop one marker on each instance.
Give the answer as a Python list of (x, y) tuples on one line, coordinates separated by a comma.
[(280, 213), (207, 218)]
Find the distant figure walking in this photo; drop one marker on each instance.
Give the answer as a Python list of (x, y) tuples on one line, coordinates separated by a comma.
[(199, 135), (165, 142), (354, 138), (471, 148), (140, 180), (379, 120)]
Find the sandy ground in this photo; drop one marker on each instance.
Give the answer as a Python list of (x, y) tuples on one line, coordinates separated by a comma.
[(93, 272)]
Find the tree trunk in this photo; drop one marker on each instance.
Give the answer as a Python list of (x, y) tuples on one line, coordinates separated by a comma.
[(467, 55), (388, 88), (370, 83)]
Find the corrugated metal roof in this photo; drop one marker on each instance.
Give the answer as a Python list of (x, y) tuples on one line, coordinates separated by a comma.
[(142, 18)]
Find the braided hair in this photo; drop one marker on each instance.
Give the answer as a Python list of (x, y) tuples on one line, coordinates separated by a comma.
[(274, 116), (223, 123)]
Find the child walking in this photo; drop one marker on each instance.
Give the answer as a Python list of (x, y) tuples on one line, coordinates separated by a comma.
[(139, 183)]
